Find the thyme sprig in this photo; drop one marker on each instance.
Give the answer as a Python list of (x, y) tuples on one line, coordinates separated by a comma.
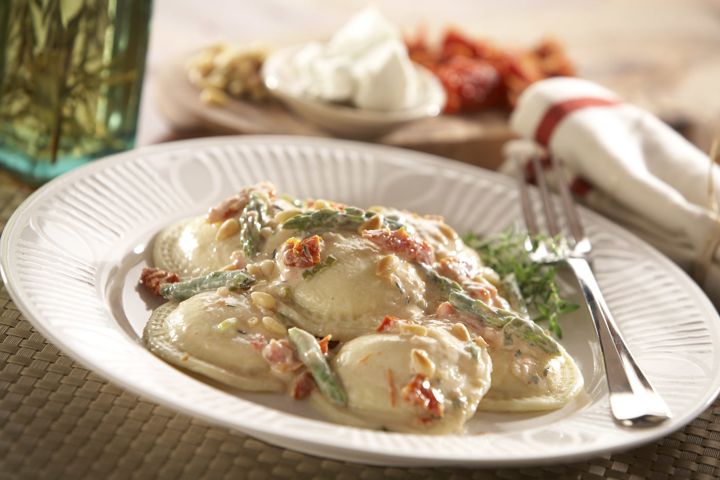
[(537, 283)]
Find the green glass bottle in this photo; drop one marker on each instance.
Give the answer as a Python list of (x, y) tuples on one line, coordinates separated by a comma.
[(71, 74)]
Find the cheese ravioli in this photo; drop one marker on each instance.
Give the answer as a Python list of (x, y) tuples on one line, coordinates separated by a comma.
[(382, 318)]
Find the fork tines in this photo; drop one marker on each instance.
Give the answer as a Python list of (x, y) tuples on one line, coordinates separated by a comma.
[(532, 162)]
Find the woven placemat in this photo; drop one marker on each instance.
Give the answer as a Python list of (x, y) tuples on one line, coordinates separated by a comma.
[(59, 420)]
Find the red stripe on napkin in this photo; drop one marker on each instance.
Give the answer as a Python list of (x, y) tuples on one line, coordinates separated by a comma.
[(559, 111)]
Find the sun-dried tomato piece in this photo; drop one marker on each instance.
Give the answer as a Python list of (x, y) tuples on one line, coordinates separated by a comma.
[(471, 84), (456, 268), (324, 343), (233, 205), (418, 49), (419, 392), (303, 253), (456, 44), (553, 59), (230, 207), (302, 386), (445, 310), (483, 291), (257, 341), (281, 356), (477, 74), (238, 260), (387, 323), (402, 244), (518, 71), (153, 278)]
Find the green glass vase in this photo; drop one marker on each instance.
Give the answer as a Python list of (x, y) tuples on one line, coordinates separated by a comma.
[(71, 74)]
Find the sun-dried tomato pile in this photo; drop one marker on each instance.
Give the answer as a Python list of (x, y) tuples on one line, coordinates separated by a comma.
[(479, 75)]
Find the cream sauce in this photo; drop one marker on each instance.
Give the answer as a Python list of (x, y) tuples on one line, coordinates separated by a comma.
[(349, 298), (376, 370), (225, 331)]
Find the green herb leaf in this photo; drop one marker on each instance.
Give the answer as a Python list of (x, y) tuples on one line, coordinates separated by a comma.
[(536, 283), (311, 272)]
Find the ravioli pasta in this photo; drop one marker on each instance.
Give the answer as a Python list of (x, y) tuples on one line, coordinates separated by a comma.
[(381, 318)]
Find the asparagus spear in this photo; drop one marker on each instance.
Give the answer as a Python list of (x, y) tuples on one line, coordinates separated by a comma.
[(445, 284), (350, 218), (310, 354), (327, 219), (511, 289), (510, 323), (233, 280), (252, 219)]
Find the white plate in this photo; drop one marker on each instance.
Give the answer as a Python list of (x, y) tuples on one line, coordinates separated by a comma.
[(71, 255)]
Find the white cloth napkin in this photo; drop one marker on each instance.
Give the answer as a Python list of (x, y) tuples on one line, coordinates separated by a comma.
[(644, 175)]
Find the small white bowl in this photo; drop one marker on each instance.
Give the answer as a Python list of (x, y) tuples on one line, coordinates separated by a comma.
[(346, 121)]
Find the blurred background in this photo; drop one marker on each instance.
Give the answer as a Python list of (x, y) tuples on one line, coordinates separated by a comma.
[(661, 54), (72, 72)]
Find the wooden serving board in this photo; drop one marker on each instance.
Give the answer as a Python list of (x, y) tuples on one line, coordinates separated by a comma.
[(475, 139)]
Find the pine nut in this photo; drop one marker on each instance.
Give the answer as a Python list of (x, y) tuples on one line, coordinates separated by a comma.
[(320, 205), (254, 269), (421, 363), (413, 329), (263, 300), (228, 228), (480, 342), (286, 215), (446, 230), (226, 324), (373, 223), (267, 267), (274, 326), (460, 331), (386, 265)]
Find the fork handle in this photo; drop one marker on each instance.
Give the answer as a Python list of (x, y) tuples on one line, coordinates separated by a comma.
[(633, 400)]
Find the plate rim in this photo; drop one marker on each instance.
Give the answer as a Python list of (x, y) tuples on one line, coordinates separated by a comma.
[(343, 453)]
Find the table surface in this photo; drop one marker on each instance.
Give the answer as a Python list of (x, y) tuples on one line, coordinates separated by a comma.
[(59, 420)]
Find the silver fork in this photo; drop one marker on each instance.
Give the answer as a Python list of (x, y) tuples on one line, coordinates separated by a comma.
[(633, 400)]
